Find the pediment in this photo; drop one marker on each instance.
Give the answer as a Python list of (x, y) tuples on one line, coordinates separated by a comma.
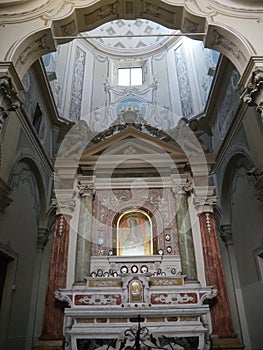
[(131, 142)]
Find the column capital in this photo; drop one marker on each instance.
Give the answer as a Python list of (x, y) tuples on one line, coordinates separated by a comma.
[(182, 187), (253, 94), (86, 186), (64, 206), (204, 199), (226, 234)]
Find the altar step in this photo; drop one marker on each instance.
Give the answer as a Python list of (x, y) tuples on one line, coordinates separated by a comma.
[(227, 344)]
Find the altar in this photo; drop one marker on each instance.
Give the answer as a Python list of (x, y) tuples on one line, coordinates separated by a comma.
[(102, 313)]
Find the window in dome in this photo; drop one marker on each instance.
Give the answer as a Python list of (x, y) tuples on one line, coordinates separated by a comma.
[(130, 76)]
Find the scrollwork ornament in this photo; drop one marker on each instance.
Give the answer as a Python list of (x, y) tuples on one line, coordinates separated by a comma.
[(8, 98), (209, 295), (253, 95), (62, 297)]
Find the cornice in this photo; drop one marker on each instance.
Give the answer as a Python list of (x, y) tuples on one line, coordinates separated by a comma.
[(250, 11)]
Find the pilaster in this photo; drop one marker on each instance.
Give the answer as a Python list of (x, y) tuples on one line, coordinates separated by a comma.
[(220, 312), (84, 237), (185, 236), (54, 313)]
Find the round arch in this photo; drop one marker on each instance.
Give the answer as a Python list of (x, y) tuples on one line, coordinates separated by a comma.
[(239, 159), (39, 181), (67, 21)]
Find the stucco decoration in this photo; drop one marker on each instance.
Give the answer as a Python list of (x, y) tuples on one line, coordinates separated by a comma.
[(77, 84), (73, 17), (229, 104), (253, 94), (183, 82), (223, 39)]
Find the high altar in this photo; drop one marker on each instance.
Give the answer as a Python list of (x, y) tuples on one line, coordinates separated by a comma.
[(141, 242)]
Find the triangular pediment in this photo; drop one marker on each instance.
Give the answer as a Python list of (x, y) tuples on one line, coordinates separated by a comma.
[(132, 152), (131, 141)]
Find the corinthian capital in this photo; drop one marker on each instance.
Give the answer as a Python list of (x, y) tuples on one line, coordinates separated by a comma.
[(86, 186), (182, 188), (205, 204), (204, 199), (64, 206), (253, 95)]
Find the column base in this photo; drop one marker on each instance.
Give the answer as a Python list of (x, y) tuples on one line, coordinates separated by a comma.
[(227, 344), (49, 345)]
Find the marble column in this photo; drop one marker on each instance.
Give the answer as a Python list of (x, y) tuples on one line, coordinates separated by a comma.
[(54, 313), (83, 247), (220, 312), (185, 237)]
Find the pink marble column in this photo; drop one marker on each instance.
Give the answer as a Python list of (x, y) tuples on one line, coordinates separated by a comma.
[(220, 312), (54, 311)]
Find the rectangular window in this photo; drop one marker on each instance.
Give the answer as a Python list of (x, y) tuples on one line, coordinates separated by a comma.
[(130, 76)]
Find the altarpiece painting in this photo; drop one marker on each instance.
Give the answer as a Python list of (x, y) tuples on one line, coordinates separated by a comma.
[(134, 234)]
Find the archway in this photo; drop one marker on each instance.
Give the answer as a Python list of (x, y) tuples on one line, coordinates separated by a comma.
[(59, 23)]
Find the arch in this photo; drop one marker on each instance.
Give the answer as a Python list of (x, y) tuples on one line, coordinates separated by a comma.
[(76, 19), (133, 205), (239, 159), (39, 181)]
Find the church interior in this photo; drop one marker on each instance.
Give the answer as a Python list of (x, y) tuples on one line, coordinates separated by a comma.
[(131, 175)]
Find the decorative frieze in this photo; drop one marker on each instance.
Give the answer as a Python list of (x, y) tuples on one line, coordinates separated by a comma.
[(98, 299), (173, 298)]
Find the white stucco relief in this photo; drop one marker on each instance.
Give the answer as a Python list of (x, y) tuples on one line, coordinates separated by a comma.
[(30, 18)]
